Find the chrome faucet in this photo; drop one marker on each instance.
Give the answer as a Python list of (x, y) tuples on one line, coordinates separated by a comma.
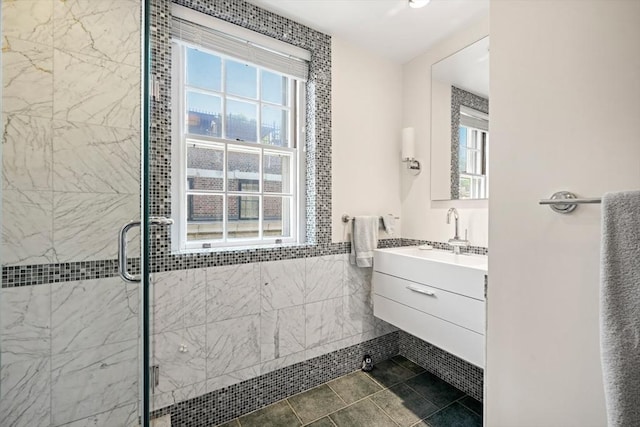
[(456, 243)]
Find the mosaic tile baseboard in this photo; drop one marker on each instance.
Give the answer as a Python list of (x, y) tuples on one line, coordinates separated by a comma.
[(233, 401), (457, 372)]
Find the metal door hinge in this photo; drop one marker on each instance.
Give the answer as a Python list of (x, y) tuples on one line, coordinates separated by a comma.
[(154, 377)]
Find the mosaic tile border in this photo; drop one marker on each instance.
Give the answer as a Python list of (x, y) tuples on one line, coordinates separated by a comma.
[(461, 97), (318, 132), (476, 250), (233, 401), (455, 371), (42, 274)]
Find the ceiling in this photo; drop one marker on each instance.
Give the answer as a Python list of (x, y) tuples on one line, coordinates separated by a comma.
[(388, 27)]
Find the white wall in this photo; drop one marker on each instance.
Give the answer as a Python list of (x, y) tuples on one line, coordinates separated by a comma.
[(366, 130), (422, 218), (572, 70)]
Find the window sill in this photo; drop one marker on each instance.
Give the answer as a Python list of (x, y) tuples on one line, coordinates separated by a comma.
[(229, 249)]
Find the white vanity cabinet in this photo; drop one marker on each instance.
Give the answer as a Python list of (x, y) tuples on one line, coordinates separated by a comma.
[(436, 296)]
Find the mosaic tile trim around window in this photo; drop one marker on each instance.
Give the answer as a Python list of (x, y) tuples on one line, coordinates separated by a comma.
[(318, 131), (40, 274), (233, 401), (455, 371), (461, 97)]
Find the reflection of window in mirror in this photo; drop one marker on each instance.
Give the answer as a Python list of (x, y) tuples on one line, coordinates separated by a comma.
[(473, 153), (469, 145)]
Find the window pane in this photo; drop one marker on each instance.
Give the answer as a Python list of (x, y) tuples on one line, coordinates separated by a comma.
[(204, 114), (242, 118), (277, 217), (274, 128), (205, 168), (242, 79), (274, 88), (277, 172), (243, 213), (204, 70), (204, 217), (242, 166)]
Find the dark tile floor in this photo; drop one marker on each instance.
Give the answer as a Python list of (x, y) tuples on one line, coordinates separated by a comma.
[(396, 393)]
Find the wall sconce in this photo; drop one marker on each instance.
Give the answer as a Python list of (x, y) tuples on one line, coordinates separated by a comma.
[(409, 148)]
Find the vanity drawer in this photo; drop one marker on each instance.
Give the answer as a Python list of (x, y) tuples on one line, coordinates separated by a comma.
[(461, 342), (458, 309)]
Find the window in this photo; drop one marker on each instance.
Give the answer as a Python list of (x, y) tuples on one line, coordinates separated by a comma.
[(237, 133), (473, 154)]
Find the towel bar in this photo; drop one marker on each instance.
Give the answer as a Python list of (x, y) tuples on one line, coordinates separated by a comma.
[(347, 218), (566, 202)]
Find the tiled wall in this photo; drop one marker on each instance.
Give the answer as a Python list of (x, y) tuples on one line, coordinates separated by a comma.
[(242, 321), (71, 166), (71, 108)]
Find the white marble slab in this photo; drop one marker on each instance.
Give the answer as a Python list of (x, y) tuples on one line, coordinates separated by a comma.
[(324, 321), (162, 400), (357, 279), (25, 323), (181, 356), (324, 277), (27, 78), (282, 332), (194, 297), (26, 153), (88, 382), (86, 225), (86, 26), (233, 291), (30, 20), (95, 90), (98, 159), (91, 313), (282, 362), (232, 345), (358, 314), (168, 313), (283, 283), (27, 235), (123, 416), (26, 392), (232, 378)]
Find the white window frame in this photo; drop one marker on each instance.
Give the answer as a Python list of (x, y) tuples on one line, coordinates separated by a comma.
[(297, 90)]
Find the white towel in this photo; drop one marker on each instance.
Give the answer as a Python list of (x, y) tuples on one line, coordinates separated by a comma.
[(364, 239), (620, 307), (389, 224)]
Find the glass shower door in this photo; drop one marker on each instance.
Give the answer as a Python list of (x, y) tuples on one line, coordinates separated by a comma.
[(72, 334)]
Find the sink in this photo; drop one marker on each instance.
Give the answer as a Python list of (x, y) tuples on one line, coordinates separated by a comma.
[(434, 295), (462, 274), (471, 261)]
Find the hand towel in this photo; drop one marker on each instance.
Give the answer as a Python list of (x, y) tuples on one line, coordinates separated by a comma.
[(620, 307), (364, 239), (389, 224)]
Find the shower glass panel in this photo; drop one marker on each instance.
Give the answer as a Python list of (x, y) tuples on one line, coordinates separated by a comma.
[(74, 154)]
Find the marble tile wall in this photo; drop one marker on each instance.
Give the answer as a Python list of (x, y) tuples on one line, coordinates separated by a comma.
[(218, 326), (69, 353), (70, 178), (71, 116)]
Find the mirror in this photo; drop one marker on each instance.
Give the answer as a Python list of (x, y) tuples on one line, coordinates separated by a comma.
[(460, 124)]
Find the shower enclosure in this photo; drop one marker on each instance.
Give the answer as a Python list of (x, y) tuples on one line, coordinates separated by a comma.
[(74, 337)]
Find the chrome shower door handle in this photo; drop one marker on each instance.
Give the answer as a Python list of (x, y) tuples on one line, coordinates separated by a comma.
[(122, 253), (122, 246)]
